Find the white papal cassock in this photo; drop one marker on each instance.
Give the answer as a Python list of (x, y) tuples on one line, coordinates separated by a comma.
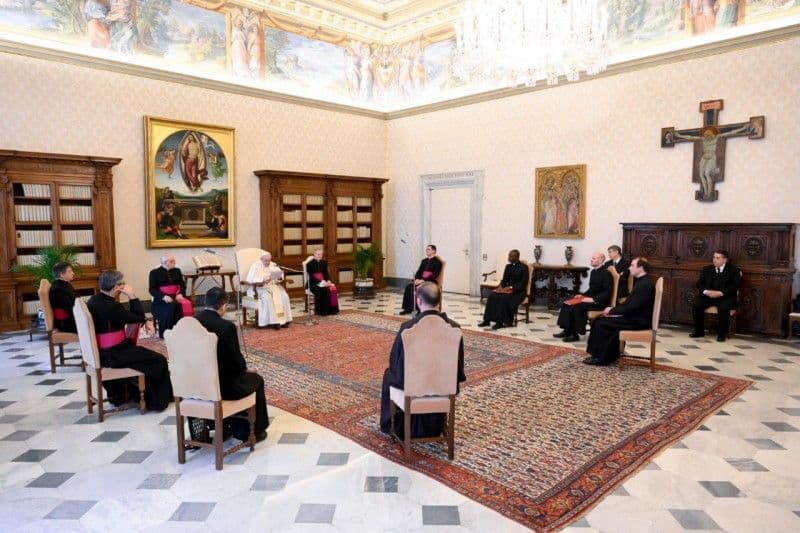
[(274, 306)]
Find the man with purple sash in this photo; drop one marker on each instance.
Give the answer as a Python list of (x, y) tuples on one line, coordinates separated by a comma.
[(167, 288), (116, 340), (429, 270), (326, 297), (62, 297)]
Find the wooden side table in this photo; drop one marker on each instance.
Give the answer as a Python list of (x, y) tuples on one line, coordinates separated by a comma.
[(198, 277)]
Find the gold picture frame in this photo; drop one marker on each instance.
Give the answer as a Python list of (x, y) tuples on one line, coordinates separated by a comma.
[(190, 184), (560, 208)]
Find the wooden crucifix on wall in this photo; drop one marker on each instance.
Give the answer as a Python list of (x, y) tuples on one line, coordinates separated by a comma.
[(709, 145)]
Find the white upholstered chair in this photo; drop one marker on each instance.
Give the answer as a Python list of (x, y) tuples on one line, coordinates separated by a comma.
[(94, 369), (644, 335), (430, 379), (244, 260), (195, 383), (306, 286), (55, 337)]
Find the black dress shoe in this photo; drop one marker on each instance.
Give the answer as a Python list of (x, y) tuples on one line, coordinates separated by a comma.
[(261, 436), (484, 324), (571, 338), (696, 334), (561, 335), (592, 361), (404, 312), (498, 325), (720, 338)]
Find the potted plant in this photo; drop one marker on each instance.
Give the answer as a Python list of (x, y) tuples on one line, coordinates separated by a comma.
[(42, 267), (364, 260)]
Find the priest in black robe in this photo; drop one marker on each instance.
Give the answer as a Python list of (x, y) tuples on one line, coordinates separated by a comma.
[(62, 297), (502, 304), (621, 265), (235, 381), (326, 297), (574, 313), (167, 289), (718, 285), (636, 313), (429, 296), (118, 351), (429, 270)]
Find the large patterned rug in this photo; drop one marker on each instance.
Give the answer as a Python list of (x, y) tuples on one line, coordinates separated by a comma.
[(540, 437)]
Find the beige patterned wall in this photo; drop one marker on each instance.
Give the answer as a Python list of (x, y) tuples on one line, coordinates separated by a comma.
[(54, 107), (613, 126)]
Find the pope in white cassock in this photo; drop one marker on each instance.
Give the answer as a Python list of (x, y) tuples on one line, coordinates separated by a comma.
[(274, 307)]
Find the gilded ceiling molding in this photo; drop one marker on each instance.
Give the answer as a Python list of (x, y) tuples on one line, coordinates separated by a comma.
[(207, 4)]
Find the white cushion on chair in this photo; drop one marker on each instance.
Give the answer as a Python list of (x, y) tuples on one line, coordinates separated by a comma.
[(422, 405), (205, 408)]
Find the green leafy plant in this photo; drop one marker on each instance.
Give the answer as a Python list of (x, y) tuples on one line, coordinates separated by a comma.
[(364, 260), (42, 268)]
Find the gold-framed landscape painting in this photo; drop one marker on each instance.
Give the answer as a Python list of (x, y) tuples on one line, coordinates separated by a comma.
[(560, 208), (190, 184)]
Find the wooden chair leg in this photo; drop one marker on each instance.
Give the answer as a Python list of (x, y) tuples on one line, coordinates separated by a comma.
[(407, 435), (392, 412), (218, 432), (89, 405), (61, 354), (100, 410), (621, 360), (142, 403), (52, 357), (653, 355), (251, 417), (181, 436)]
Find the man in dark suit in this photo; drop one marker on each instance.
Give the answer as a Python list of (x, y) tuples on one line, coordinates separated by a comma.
[(235, 381), (635, 313), (621, 265), (718, 284), (62, 297), (573, 315)]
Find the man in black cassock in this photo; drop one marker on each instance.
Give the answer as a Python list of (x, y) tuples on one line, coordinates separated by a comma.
[(110, 318), (718, 285), (326, 297), (62, 297), (621, 265), (502, 304), (235, 381), (572, 318), (429, 270), (167, 308), (429, 296), (635, 313)]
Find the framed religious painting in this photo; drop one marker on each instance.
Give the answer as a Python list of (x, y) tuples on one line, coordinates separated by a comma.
[(190, 184), (560, 208)]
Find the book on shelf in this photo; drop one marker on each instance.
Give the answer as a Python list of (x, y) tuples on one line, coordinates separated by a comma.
[(363, 232), (36, 190), (86, 258), (76, 213), (32, 213), (75, 192), (292, 234), (77, 237), (34, 238), (364, 202), (364, 217), (30, 307)]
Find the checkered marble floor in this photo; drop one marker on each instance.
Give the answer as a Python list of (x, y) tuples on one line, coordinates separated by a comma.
[(62, 471)]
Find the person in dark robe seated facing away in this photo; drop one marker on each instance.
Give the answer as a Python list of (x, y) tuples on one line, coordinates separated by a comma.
[(635, 313), (621, 265), (718, 285), (167, 289), (429, 296), (235, 380), (429, 269), (326, 297), (62, 297), (118, 342), (574, 313), (502, 304)]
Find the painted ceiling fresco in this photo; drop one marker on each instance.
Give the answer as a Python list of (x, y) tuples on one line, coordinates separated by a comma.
[(255, 48)]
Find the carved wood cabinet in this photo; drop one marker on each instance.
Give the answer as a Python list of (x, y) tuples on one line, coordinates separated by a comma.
[(302, 211), (52, 200), (764, 253)]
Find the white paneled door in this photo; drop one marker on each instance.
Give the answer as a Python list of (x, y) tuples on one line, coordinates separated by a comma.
[(450, 232)]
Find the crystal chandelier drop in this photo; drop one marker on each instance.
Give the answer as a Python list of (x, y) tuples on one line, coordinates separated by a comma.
[(519, 42)]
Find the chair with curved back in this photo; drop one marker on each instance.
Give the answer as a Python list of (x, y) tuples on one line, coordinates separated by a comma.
[(306, 286), (594, 313), (621, 299), (194, 373), (430, 379), (244, 260), (644, 335), (94, 369), (55, 337), (526, 301)]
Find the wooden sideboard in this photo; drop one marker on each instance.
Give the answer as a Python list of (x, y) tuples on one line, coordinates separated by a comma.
[(764, 252)]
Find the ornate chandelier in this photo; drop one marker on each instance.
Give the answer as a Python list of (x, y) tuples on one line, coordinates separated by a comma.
[(521, 41)]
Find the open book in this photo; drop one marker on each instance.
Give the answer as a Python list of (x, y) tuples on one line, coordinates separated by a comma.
[(208, 261)]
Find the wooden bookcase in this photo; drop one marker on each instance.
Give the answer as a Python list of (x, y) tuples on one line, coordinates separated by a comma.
[(301, 212), (52, 200)]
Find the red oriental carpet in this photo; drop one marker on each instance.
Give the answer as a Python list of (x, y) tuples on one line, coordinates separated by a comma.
[(540, 437)]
